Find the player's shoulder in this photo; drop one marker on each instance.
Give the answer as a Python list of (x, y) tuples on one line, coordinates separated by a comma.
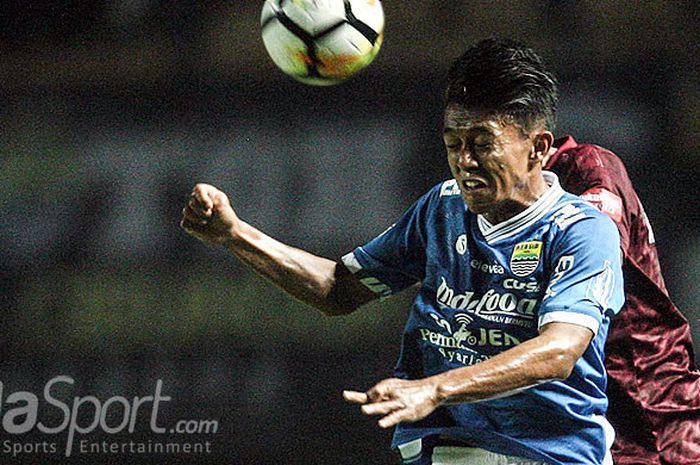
[(591, 158), (577, 225), (582, 167), (576, 213)]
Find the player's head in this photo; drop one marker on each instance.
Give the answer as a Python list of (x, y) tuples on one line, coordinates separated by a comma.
[(506, 78), (499, 111)]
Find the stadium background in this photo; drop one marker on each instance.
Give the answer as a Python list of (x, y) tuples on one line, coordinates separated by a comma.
[(110, 111)]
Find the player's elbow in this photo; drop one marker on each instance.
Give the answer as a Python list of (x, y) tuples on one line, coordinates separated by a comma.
[(561, 365), (341, 301), (563, 345), (345, 294), (329, 303), (562, 358)]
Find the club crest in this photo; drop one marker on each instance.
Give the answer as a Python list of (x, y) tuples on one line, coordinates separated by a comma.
[(525, 258)]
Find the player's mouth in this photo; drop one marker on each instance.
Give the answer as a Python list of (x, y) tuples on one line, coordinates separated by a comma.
[(473, 185)]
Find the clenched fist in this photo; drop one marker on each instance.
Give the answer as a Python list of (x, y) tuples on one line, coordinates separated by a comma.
[(208, 215)]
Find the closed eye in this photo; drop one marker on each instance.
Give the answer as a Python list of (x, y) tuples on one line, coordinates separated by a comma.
[(453, 144), (481, 147)]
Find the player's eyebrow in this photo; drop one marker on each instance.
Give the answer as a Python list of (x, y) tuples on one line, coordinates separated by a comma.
[(480, 129)]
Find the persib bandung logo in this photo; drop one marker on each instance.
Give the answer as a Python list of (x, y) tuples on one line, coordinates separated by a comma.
[(525, 258)]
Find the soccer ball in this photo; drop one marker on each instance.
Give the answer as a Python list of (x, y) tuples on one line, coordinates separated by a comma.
[(322, 42)]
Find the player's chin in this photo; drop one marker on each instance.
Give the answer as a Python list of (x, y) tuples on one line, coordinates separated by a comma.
[(476, 203)]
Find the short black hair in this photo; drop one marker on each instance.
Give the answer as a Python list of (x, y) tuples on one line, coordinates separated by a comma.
[(505, 77)]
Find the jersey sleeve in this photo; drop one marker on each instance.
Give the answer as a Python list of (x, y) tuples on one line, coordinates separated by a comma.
[(585, 284), (395, 259)]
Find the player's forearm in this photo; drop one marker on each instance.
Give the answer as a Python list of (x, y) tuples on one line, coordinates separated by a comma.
[(307, 277), (544, 358)]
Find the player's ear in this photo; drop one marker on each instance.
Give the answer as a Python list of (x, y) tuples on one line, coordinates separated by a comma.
[(541, 143)]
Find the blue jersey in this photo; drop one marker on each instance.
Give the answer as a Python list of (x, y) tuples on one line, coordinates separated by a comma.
[(486, 288)]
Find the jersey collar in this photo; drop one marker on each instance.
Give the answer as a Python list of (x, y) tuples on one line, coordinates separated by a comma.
[(525, 218)]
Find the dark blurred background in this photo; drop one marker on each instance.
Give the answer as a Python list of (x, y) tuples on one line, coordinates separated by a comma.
[(111, 110)]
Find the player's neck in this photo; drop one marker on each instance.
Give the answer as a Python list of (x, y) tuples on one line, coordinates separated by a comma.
[(527, 194)]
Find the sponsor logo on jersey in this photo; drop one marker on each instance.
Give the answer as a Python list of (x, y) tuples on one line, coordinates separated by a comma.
[(512, 283), (449, 188), (605, 201), (525, 258), (461, 244), (453, 340), (464, 339), (489, 268), (504, 308)]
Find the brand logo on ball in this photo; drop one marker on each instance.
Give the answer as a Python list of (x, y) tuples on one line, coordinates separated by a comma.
[(525, 258)]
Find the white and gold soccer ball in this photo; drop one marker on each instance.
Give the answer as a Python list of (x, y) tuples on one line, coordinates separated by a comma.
[(322, 42)]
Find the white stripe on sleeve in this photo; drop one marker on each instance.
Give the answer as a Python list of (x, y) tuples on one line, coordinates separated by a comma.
[(574, 318)]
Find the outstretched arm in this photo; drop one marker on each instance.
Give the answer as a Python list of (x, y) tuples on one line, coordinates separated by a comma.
[(549, 356), (317, 281)]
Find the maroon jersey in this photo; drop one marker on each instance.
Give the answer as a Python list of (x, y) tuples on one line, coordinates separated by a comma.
[(653, 386)]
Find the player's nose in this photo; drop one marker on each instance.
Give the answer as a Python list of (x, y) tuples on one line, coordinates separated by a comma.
[(466, 160)]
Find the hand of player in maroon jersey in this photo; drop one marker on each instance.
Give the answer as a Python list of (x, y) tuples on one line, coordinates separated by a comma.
[(208, 215), (398, 400)]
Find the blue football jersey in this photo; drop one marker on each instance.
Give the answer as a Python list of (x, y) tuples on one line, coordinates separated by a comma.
[(486, 288)]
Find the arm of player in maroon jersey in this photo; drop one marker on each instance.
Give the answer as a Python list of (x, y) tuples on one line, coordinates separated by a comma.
[(549, 356), (317, 281)]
